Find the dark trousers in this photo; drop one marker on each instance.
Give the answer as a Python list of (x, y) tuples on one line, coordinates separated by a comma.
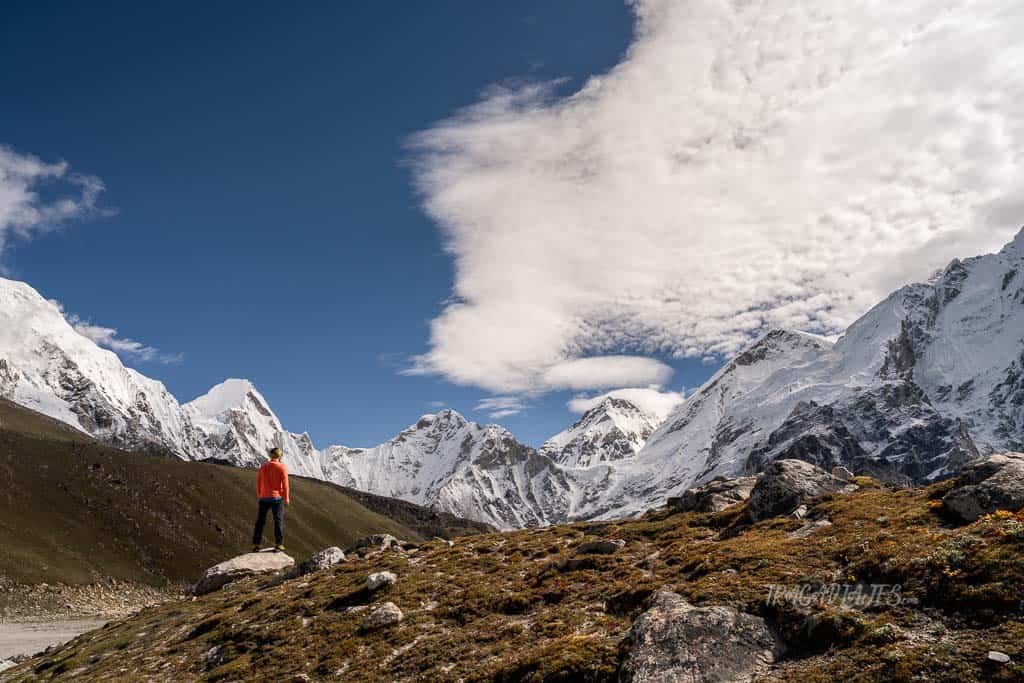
[(275, 505)]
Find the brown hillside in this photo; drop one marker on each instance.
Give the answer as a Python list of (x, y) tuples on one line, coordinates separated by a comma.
[(75, 511)]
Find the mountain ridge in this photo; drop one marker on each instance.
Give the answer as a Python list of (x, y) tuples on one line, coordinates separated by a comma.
[(928, 378)]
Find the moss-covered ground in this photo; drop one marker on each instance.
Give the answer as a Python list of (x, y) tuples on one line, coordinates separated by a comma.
[(497, 607)]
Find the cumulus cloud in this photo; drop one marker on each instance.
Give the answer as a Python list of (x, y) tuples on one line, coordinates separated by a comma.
[(747, 165), (108, 338), (36, 196), (498, 407), (652, 401)]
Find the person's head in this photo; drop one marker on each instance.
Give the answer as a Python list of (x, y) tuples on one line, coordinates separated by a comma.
[(275, 453)]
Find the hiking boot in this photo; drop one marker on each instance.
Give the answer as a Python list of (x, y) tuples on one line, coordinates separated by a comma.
[(279, 547)]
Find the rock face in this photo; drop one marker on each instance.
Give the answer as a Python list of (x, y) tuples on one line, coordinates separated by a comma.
[(674, 641), (328, 557), (986, 485), (787, 483), (236, 568), (379, 580), (386, 615), (715, 496)]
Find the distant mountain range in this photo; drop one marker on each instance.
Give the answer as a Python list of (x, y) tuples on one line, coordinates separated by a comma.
[(927, 379)]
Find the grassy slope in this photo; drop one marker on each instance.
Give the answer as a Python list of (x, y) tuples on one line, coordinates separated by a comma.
[(74, 511), (493, 608)]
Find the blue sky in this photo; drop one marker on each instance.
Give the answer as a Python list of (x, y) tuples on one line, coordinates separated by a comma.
[(520, 202), (264, 224)]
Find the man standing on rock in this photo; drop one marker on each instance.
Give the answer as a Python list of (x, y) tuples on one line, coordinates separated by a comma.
[(272, 490)]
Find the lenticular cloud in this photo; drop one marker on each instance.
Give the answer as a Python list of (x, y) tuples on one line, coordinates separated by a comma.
[(747, 165)]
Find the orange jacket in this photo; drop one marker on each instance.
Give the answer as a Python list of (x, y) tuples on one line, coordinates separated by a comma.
[(272, 480)]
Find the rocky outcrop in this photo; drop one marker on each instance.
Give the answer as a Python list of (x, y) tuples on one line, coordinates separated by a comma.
[(676, 641), (240, 567), (986, 485), (787, 483), (715, 496)]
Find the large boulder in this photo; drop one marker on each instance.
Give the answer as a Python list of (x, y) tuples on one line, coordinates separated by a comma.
[(787, 483), (240, 567), (715, 496), (986, 485), (676, 641)]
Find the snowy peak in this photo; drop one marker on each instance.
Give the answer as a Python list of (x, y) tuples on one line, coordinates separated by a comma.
[(233, 421), (1015, 247), (46, 365), (231, 394), (613, 430)]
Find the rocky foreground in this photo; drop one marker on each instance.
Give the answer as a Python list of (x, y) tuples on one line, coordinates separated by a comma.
[(797, 575)]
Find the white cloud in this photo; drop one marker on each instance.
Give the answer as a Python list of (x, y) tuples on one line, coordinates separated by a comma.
[(599, 372), (25, 211), (651, 400), (501, 406), (108, 338), (779, 163)]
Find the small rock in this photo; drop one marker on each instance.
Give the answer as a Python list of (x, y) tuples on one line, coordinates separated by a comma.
[(387, 614), (886, 633), (809, 528), (881, 519), (602, 547), (328, 557), (375, 543), (450, 544), (379, 580), (842, 474), (998, 657), (800, 512), (7, 664)]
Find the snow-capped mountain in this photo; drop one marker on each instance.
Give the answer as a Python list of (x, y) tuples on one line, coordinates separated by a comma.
[(234, 422), (447, 462), (47, 366), (927, 379), (614, 429)]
